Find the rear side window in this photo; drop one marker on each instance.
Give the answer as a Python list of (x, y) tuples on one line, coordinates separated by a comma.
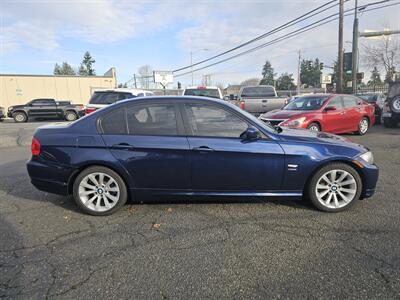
[(108, 97), (158, 119), (114, 122), (211, 121)]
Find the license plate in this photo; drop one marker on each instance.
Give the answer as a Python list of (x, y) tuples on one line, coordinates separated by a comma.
[(387, 114)]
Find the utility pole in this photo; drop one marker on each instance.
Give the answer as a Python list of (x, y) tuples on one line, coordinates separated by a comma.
[(354, 66), (339, 83), (191, 64), (134, 78), (298, 74)]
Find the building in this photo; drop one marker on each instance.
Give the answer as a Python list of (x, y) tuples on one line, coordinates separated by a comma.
[(20, 89)]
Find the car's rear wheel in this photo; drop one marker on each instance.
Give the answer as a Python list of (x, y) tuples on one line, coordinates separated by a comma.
[(314, 127), (99, 191), (19, 117), (363, 126), (395, 104), (71, 116), (335, 187)]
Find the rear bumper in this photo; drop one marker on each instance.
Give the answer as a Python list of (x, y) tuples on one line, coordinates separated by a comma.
[(48, 177)]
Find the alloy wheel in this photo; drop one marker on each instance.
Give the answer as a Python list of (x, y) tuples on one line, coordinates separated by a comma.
[(99, 192), (364, 125), (336, 189), (314, 128)]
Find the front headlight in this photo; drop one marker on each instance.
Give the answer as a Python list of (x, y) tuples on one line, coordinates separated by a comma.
[(296, 122), (10, 108), (368, 157)]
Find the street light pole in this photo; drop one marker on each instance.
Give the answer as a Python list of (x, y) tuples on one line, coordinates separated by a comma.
[(339, 84), (191, 64), (354, 67), (298, 74)]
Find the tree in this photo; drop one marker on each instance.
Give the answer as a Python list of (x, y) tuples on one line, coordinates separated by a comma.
[(64, 69), (346, 76), (384, 55), (375, 77), (145, 73), (86, 68), (250, 81), (310, 72), (125, 85), (268, 74), (285, 82)]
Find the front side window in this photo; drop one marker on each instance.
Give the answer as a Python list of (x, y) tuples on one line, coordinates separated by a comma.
[(336, 102), (349, 102), (43, 102), (212, 121), (158, 119)]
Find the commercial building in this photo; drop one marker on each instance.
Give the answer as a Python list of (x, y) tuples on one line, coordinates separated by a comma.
[(20, 89)]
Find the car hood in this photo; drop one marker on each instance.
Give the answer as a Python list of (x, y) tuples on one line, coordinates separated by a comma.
[(305, 135), (280, 114)]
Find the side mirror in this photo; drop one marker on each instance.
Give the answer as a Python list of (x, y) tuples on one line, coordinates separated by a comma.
[(251, 134), (330, 108)]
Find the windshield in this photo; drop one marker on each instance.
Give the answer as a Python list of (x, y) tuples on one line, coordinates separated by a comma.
[(213, 93), (258, 91), (369, 98), (306, 103)]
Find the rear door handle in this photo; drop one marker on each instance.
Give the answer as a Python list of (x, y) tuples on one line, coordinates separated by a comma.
[(123, 146), (203, 149)]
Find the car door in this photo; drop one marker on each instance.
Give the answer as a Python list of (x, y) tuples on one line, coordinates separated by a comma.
[(352, 112), (333, 119), (221, 160), (149, 141), (43, 108)]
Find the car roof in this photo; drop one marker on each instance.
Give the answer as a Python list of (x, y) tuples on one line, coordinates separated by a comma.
[(123, 90), (202, 87)]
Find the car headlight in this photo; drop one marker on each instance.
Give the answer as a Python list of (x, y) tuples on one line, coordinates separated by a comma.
[(10, 108), (296, 122), (368, 157)]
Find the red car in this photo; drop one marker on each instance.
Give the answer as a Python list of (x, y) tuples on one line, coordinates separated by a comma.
[(329, 113)]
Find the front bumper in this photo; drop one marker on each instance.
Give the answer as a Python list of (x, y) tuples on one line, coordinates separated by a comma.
[(370, 175)]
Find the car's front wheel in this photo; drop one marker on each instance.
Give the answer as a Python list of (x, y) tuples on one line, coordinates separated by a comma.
[(71, 116), (99, 191), (363, 126), (19, 117), (335, 187)]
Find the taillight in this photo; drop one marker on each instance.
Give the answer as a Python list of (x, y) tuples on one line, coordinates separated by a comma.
[(35, 147), (89, 110), (241, 105)]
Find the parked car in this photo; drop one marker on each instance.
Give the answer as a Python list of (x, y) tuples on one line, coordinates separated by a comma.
[(2, 113), (194, 146), (325, 112), (391, 108), (46, 108), (259, 99), (377, 100), (203, 91), (103, 98)]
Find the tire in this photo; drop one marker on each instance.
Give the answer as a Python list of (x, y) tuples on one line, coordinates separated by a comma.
[(389, 123), (71, 116), (91, 193), (395, 104), (363, 126), (325, 195), (20, 117), (314, 127)]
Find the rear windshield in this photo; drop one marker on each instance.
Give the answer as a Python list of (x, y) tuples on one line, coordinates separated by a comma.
[(213, 93), (108, 97), (306, 103), (368, 98), (258, 91)]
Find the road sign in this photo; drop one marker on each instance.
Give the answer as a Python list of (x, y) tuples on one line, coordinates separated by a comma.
[(326, 79), (163, 77)]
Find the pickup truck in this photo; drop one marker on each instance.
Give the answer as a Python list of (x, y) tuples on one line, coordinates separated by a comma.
[(259, 99), (46, 108)]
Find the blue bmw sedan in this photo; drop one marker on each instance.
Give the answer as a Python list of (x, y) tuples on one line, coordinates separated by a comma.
[(194, 146)]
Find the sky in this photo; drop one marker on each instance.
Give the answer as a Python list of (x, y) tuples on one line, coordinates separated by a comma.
[(34, 35)]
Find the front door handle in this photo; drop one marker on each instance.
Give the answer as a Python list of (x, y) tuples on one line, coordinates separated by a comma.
[(123, 146), (203, 149)]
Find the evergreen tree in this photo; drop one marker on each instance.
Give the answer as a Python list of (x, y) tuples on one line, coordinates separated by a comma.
[(64, 69), (375, 77), (310, 72), (268, 74), (285, 82), (86, 68)]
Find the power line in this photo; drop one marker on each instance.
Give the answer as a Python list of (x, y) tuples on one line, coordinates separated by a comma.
[(306, 28), (275, 30)]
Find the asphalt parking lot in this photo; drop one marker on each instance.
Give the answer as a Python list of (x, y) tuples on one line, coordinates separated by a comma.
[(219, 248)]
